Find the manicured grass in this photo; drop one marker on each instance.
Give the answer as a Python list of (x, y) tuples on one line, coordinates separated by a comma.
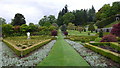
[(77, 33), (110, 25), (62, 54)]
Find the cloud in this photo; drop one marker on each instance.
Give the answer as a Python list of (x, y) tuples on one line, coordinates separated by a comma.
[(34, 10)]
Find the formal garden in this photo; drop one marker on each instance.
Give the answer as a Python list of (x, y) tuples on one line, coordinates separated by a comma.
[(87, 42)]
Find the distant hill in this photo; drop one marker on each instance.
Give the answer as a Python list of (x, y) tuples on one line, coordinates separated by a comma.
[(110, 25)]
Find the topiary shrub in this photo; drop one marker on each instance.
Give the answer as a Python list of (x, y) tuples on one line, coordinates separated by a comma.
[(109, 38), (66, 33), (54, 33)]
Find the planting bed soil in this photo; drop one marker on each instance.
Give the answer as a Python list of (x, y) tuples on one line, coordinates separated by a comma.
[(110, 48)]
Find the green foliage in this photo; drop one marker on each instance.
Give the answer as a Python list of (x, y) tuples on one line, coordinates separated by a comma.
[(52, 28), (98, 39), (63, 28), (19, 19), (110, 25), (68, 17), (80, 17), (91, 28), (101, 33), (7, 29), (51, 19), (24, 28), (115, 45), (80, 29), (104, 52), (24, 52), (71, 26), (105, 22), (32, 27), (88, 33), (55, 24), (91, 14), (106, 14), (82, 38), (60, 15), (48, 24)]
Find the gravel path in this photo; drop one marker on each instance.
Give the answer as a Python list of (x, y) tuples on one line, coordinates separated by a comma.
[(10, 59), (94, 59)]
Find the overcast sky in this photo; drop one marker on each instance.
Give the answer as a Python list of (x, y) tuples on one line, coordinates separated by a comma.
[(34, 10)]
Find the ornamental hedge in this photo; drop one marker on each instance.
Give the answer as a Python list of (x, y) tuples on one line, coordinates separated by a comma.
[(112, 55), (23, 52)]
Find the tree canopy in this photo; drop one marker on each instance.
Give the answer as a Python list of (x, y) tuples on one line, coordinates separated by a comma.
[(19, 19)]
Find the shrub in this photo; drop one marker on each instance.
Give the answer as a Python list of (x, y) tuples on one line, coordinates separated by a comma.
[(66, 33), (88, 33), (7, 29), (109, 38), (116, 30), (101, 33), (54, 33), (63, 28), (98, 39), (91, 28)]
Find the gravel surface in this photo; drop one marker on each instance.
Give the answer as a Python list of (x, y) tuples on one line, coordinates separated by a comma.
[(10, 59), (94, 59)]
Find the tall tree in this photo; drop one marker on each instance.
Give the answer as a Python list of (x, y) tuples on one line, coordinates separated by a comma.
[(52, 19), (91, 14), (60, 15), (19, 19), (60, 19), (68, 17), (66, 9)]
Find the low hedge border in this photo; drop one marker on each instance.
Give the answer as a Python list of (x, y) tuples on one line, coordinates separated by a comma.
[(112, 55), (115, 45), (111, 44), (23, 52)]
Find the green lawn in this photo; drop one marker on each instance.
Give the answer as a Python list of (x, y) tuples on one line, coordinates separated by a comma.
[(62, 54), (77, 33), (110, 25)]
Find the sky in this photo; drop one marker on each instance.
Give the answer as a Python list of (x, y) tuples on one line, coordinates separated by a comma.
[(34, 10)]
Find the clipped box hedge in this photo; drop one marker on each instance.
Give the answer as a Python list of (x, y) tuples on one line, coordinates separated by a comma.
[(23, 52), (111, 44), (115, 45), (112, 55)]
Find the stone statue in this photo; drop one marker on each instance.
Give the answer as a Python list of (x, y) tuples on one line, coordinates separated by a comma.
[(28, 35)]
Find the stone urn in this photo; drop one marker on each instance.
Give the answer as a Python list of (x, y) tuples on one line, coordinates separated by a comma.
[(28, 35)]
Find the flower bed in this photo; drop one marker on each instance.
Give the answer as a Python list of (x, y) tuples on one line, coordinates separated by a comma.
[(112, 55), (24, 47), (112, 46), (9, 58), (93, 58)]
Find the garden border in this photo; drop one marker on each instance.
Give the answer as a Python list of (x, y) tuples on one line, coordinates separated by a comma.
[(23, 52), (112, 55)]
